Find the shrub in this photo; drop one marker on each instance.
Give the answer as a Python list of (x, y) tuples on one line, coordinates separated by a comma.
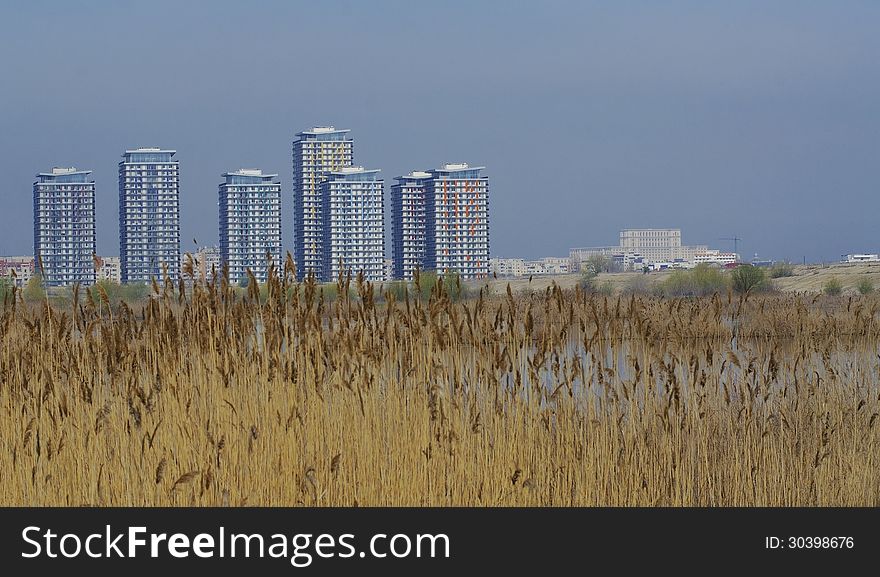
[(832, 287), (782, 269), (6, 285), (398, 288), (702, 280), (453, 286), (638, 285), (33, 290), (747, 278), (708, 279), (588, 279), (865, 286)]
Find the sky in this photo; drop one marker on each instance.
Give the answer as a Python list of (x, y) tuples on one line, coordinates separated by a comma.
[(754, 119)]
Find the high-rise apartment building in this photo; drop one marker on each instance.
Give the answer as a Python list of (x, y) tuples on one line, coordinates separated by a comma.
[(353, 206), (64, 226), (316, 153), (250, 223), (457, 221), (408, 223), (149, 214)]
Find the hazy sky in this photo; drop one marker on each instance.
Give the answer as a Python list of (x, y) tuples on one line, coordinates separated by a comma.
[(758, 119)]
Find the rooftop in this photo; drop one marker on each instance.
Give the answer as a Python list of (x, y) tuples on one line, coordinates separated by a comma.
[(458, 166), (323, 130), (149, 151), (346, 171), (64, 171), (249, 175)]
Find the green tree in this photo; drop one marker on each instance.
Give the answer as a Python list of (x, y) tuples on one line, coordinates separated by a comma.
[(425, 281), (832, 287), (136, 292), (33, 290), (588, 278), (598, 263), (453, 286), (708, 280), (6, 284), (747, 278), (700, 281)]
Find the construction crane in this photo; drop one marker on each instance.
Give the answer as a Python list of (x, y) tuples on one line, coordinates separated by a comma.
[(735, 240)]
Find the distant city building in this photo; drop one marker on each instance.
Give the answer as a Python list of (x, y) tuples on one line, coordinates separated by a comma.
[(517, 267), (640, 248), (109, 269), (316, 153), (578, 256), (353, 206), (64, 226), (550, 265), (457, 221), (149, 214), (17, 269), (250, 223), (507, 267), (408, 223), (853, 258), (206, 262), (715, 257), (658, 244), (389, 269)]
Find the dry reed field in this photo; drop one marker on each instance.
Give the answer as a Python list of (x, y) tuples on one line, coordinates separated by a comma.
[(205, 397)]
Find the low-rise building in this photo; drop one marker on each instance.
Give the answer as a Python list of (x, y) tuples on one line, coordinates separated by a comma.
[(109, 268), (640, 248), (578, 256), (19, 269), (518, 267), (208, 261), (863, 257), (712, 256), (507, 267)]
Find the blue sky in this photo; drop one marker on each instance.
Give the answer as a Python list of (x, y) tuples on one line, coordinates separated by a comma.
[(755, 119)]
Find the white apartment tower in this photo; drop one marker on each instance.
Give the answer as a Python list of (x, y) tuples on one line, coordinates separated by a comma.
[(457, 221), (353, 206), (316, 153), (250, 223), (408, 223), (149, 215), (64, 226)]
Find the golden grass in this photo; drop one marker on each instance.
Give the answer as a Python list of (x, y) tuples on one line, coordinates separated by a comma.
[(561, 398)]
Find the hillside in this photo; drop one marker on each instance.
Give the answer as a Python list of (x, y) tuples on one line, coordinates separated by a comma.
[(807, 278)]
